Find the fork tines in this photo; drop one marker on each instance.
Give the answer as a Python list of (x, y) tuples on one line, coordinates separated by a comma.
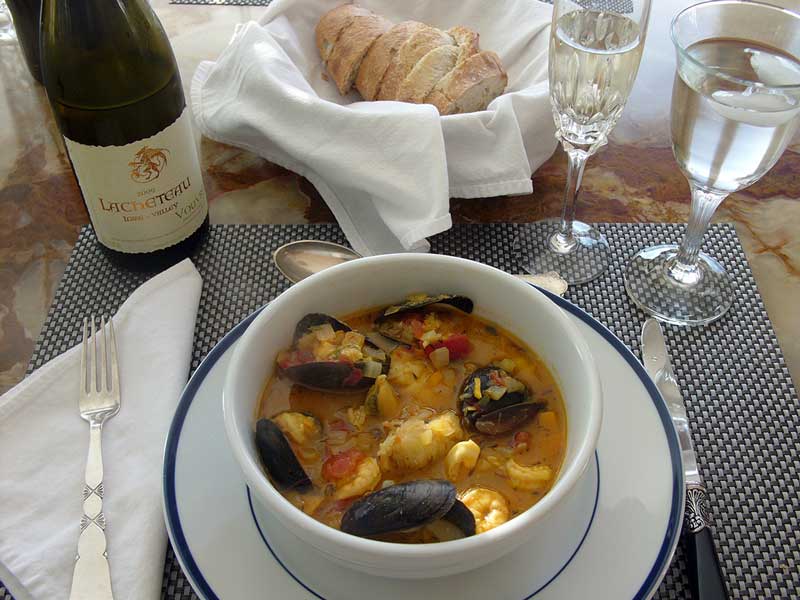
[(104, 361)]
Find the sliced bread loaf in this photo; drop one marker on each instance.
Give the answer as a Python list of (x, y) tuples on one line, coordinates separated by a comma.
[(380, 57), (466, 40), (415, 47), (352, 46), (332, 24), (426, 73), (471, 86)]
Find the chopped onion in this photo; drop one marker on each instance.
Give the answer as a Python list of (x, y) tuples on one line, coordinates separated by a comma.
[(440, 358), (375, 353), (514, 385), (508, 365), (496, 392), (371, 369), (430, 337), (324, 332)]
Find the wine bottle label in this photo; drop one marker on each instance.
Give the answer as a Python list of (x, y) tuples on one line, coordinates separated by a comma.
[(143, 196)]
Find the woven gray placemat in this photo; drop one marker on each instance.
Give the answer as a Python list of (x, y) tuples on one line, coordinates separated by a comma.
[(743, 407)]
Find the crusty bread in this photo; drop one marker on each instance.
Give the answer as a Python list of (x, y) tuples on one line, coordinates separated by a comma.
[(380, 56), (417, 46), (409, 62), (332, 24), (467, 41), (470, 86), (351, 47), (426, 74)]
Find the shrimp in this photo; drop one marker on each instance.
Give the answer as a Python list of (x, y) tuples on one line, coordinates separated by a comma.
[(490, 508), (528, 478), (415, 443), (300, 428), (364, 479), (461, 459)]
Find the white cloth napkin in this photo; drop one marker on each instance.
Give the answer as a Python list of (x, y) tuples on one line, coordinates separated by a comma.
[(44, 444), (386, 169)]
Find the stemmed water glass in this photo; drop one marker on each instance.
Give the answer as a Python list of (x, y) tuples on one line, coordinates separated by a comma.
[(735, 108), (595, 49)]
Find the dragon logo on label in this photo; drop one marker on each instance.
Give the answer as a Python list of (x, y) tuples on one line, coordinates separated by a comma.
[(148, 164)]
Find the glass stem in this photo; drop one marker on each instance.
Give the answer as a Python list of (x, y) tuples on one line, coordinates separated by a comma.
[(683, 268), (563, 241)]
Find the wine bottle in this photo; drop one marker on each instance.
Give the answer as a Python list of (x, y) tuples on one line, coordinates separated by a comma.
[(116, 93)]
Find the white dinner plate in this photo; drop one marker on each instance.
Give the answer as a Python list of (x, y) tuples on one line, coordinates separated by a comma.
[(613, 537)]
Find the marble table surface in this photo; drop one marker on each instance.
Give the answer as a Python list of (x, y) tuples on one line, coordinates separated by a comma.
[(634, 179)]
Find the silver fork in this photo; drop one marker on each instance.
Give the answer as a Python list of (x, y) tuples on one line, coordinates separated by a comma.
[(98, 402)]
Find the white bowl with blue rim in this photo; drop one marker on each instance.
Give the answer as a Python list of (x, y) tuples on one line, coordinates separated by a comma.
[(382, 280)]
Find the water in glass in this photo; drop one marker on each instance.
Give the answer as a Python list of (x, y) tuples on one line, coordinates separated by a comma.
[(725, 135)]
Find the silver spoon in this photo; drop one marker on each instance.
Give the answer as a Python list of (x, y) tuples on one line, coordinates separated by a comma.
[(297, 260)]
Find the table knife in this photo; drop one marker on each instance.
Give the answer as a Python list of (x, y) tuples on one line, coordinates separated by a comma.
[(703, 569)]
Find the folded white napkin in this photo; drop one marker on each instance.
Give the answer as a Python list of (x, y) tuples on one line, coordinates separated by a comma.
[(44, 444), (386, 169)]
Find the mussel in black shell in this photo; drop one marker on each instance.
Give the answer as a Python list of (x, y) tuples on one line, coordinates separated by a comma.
[(278, 457), (315, 361), (391, 322), (407, 506), (493, 402)]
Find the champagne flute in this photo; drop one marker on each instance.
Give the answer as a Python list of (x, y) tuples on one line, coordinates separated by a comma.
[(595, 49), (735, 108)]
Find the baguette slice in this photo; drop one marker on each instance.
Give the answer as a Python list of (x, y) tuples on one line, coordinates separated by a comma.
[(471, 86), (352, 46), (417, 46), (426, 74), (332, 24), (380, 55), (467, 41)]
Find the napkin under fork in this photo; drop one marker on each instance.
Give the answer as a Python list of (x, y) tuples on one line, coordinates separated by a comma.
[(43, 446)]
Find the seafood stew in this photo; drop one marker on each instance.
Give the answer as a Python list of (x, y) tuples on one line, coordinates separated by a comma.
[(419, 422)]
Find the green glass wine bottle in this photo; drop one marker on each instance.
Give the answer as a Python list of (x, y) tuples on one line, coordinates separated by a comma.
[(114, 86)]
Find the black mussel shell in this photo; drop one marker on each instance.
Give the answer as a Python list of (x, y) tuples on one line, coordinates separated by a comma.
[(278, 457), (462, 303), (494, 417), (330, 376), (462, 517), (315, 320), (399, 507), (507, 419)]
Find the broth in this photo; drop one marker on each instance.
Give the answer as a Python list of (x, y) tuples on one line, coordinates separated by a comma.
[(424, 392)]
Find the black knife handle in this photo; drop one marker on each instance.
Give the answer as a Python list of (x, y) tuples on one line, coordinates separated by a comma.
[(702, 562)]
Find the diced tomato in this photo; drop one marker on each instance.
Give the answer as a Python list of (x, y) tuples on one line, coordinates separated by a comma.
[(355, 376), (341, 465), (521, 437), (459, 346), (496, 379)]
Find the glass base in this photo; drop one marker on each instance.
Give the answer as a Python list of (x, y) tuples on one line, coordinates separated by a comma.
[(578, 259), (706, 294)]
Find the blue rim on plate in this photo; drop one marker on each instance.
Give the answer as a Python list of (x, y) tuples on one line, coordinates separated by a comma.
[(528, 597), (199, 582)]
